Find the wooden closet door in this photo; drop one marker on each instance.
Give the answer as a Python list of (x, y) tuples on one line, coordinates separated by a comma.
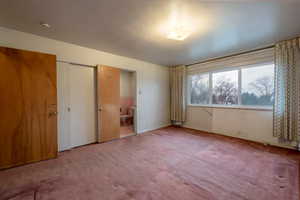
[(28, 121), (108, 103)]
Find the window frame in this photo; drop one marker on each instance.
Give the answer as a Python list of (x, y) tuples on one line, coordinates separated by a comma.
[(238, 105)]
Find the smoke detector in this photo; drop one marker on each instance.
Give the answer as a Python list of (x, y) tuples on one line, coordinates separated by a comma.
[(45, 25)]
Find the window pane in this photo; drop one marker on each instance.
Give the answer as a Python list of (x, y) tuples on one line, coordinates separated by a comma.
[(199, 89), (225, 87), (258, 85)]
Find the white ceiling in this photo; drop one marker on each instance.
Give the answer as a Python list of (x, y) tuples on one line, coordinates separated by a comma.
[(135, 28)]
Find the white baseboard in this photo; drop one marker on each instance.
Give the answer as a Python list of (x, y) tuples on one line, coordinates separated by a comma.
[(245, 138), (152, 129), (204, 130)]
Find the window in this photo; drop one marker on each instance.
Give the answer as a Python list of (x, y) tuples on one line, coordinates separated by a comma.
[(243, 86), (258, 86), (199, 89), (225, 87)]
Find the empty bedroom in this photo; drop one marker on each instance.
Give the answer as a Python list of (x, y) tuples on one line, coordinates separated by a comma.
[(150, 100)]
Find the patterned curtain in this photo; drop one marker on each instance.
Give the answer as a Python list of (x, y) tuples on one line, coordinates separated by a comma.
[(287, 91), (178, 87)]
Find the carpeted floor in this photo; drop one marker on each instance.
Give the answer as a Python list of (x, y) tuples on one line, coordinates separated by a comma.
[(126, 131), (165, 164)]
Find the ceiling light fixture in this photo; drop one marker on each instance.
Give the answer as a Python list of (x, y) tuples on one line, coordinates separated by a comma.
[(45, 25), (178, 33)]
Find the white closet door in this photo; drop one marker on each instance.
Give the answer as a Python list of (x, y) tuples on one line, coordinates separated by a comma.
[(82, 105), (63, 95)]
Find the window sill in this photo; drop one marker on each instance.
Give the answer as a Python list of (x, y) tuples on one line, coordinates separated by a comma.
[(259, 108)]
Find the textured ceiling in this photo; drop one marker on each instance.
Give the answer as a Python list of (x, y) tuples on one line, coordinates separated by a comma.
[(136, 28)]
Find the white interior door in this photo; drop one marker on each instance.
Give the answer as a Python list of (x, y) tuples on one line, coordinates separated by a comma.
[(76, 106), (82, 105), (63, 95)]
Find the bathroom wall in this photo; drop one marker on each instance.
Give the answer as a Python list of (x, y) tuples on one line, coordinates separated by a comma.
[(127, 91)]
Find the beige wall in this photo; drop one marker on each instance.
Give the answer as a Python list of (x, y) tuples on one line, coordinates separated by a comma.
[(255, 125), (152, 80)]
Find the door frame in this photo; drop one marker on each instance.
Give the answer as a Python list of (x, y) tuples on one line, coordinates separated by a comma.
[(136, 99), (136, 93)]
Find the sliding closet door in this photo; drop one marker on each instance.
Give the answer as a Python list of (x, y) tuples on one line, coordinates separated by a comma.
[(77, 106), (108, 103), (82, 105), (63, 97), (28, 120)]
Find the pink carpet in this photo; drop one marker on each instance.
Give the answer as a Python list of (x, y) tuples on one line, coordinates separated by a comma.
[(167, 164)]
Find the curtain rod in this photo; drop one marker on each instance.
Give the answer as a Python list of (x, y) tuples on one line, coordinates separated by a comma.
[(79, 64), (236, 54)]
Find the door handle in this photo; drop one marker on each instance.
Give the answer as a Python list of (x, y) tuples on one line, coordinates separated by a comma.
[(100, 109), (52, 114)]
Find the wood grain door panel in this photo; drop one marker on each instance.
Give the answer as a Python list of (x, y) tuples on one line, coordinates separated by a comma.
[(108, 103), (28, 105)]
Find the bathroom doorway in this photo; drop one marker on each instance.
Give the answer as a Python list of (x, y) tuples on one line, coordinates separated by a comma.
[(127, 103)]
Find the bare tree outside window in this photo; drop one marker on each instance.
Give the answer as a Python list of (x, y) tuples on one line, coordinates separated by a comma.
[(258, 88), (199, 89), (225, 88), (253, 86)]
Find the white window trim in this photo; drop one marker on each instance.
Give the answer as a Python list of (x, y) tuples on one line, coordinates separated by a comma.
[(247, 59), (237, 106)]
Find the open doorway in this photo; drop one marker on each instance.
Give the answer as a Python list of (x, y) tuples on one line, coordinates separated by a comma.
[(127, 103)]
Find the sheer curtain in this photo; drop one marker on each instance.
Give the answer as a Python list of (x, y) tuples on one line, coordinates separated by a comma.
[(178, 94), (287, 91)]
